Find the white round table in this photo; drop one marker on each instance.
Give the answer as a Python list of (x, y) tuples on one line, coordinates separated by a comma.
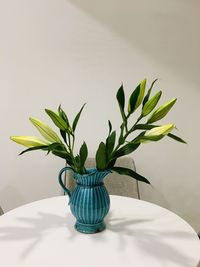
[(138, 234)]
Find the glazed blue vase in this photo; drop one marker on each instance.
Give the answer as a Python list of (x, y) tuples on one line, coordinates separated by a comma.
[(90, 201)]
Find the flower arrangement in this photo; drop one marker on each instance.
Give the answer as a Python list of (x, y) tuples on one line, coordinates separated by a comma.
[(131, 136)]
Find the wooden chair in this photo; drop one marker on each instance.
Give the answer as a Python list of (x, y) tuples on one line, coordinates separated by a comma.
[(116, 184)]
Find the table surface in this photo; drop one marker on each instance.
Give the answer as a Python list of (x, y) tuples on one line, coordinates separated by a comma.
[(138, 234)]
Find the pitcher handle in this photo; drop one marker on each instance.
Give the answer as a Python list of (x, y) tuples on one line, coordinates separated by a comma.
[(61, 181)]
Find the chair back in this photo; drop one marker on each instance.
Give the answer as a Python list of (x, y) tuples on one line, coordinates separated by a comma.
[(1, 211)]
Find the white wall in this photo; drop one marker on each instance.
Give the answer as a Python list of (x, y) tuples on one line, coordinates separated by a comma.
[(71, 52)]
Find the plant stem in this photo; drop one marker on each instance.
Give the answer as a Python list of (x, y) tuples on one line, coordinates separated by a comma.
[(73, 142), (127, 132), (69, 139), (126, 120), (70, 148)]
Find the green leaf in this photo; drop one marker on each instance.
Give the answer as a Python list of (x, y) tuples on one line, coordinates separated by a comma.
[(131, 173), (63, 115), (56, 146), (61, 154), (83, 154), (77, 159), (110, 127), (121, 101), (154, 138), (77, 118), (149, 92), (64, 136), (150, 104), (78, 167), (133, 100), (34, 148), (136, 97), (162, 111), (121, 97), (60, 151), (144, 126), (101, 159), (111, 163), (110, 143), (58, 121), (125, 150), (176, 138)]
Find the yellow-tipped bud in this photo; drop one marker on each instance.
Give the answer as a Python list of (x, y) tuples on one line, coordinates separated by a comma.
[(160, 130), (29, 141), (47, 132)]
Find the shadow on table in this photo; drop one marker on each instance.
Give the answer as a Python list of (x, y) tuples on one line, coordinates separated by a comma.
[(153, 242), (37, 228)]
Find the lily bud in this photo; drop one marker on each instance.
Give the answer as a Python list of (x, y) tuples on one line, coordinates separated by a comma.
[(29, 141), (160, 130), (47, 132)]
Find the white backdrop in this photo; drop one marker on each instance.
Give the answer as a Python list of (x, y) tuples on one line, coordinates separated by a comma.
[(72, 52)]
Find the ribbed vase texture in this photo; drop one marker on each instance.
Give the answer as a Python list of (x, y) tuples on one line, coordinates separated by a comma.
[(90, 201)]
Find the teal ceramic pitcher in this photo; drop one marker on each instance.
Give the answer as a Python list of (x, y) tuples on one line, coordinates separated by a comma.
[(90, 201)]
